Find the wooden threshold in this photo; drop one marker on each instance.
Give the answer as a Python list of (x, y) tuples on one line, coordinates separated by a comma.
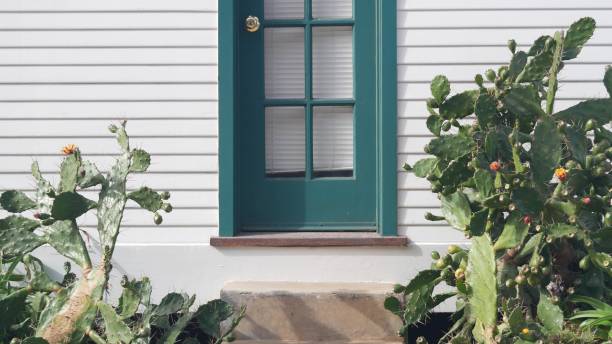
[(309, 239)]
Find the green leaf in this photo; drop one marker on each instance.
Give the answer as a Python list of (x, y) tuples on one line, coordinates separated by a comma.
[(438, 299), (423, 278), (538, 45), (65, 238), (516, 320), (170, 304), (527, 200), (532, 244), (89, 175), (538, 67), (515, 231), (560, 230), (424, 167), (393, 305), (71, 205), (480, 276), (497, 146), (147, 199), (550, 315), (478, 222), (545, 151), (517, 64), (450, 147), (522, 102), (484, 183), (440, 88), (577, 143), (417, 304), (211, 315), (69, 172), (141, 160), (460, 105), (597, 109), (434, 124), (456, 172), (486, 110), (172, 334), (456, 210), (17, 241), (117, 332), (608, 80), (577, 35), (130, 298), (12, 308), (34, 340), (18, 222), (15, 201)]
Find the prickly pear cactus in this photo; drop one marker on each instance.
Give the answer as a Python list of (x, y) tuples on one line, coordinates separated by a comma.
[(69, 315), (530, 185)]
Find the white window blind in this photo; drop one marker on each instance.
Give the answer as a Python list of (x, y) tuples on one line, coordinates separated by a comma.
[(285, 139), (284, 9), (332, 62), (332, 138), (332, 8), (284, 62)]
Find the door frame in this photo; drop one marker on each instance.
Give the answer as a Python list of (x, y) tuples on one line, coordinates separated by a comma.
[(386, 117)]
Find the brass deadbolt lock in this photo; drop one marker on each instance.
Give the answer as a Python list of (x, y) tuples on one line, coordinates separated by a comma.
[(252, 24)]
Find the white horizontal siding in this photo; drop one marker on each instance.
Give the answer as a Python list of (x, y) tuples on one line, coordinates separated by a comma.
[(460, 39), (69, 68)]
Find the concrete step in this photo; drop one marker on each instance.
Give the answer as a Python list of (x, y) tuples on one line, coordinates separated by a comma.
[(304, 313)]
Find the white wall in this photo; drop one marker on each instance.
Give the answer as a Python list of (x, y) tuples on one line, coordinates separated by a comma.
[(69, 67)]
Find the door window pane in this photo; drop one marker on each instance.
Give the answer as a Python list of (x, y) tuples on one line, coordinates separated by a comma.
[(332, 62), (285, 141), (333, 141), (284, 9), (332, 8), (284, 62)]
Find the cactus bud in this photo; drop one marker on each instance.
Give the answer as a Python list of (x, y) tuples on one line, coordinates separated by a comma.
[(158, 219), (448, 259), (446, 126), (165, 195), (520, 279), (490, 75), (586, 200), (584, 263), (538, 228), (435, 255), (479, 80), (571, 290), (510, 283), (440, 264), (67, 267), (421, 340), (588, 243), (512, 207), (452, 249), (167, 207), (533, 280), (113, 128), (512, 46), (590, 125), (459, 274), (546, 271)]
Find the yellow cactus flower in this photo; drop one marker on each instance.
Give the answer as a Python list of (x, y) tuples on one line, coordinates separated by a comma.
[(525, 331), (561, 173)]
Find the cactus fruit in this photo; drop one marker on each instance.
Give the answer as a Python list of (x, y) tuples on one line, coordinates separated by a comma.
[(530, 187)]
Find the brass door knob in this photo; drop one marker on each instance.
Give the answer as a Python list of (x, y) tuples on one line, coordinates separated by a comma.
[(252, 24)]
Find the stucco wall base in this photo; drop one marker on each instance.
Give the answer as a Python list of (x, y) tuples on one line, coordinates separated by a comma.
[(290, 312)]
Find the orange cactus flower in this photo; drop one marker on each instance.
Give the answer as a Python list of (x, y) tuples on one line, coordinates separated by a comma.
[(495, 166), (525, 331), (561, 173), (69, 149)]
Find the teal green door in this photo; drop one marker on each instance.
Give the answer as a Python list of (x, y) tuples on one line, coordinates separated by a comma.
[(307, 115)]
